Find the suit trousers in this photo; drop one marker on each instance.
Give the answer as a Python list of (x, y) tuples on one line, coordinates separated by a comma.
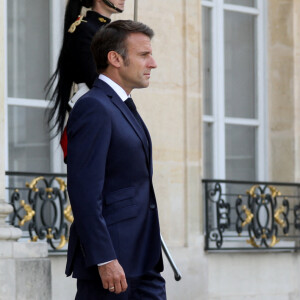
[(150, 286)]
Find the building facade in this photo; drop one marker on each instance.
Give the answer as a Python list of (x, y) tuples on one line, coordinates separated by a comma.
[(223, 105)]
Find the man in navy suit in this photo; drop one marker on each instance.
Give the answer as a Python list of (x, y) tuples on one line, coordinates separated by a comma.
[(114, 246)]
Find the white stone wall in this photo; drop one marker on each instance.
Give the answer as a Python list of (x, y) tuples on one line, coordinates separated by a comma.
[(63, 288)]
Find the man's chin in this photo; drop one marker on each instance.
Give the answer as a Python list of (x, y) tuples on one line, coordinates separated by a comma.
[(143, 85)]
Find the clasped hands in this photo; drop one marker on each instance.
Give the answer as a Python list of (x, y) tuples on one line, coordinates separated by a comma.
[(113, 277)]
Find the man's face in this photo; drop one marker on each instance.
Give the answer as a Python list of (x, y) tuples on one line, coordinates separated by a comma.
[(136, 68)]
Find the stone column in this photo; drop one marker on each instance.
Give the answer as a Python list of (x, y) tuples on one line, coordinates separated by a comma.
[(7, 232), (281, 66), (25, 270)]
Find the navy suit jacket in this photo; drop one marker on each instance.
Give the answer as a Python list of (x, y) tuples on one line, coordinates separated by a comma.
[(110, 188)]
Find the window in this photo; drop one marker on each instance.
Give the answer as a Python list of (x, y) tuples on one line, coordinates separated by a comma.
[(234, 104), (34, 29)]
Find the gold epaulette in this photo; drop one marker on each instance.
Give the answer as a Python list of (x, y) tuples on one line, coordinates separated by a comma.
[(76, 23)]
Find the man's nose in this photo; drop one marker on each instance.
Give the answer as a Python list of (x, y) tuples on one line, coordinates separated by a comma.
[(152, 63)]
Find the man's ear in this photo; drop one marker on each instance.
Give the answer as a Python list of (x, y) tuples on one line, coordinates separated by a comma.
[(114, 59)]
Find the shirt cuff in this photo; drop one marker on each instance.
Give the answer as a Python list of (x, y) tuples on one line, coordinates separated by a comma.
[(102, 264)]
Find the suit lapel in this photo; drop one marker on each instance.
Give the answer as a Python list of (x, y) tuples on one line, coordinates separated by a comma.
[(129, 116), (133, 122)]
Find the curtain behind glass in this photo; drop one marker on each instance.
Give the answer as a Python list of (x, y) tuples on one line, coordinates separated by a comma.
[(28, 48), (29, 148), (240, 65), (240, 152), (207, 60)]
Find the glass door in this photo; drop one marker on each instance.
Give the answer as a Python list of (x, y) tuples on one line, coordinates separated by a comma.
[(34, 30)]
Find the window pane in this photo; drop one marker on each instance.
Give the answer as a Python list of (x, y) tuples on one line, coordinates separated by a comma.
[(28, 48), (29, 142), (240, 152), (208, 150), (240, 66), (251, 3), (207, 60)]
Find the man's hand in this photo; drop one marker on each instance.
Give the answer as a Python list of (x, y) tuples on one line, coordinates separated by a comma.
[(113, 277)]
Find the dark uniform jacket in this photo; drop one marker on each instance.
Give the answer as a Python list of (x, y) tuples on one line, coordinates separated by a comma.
[(81, 63)]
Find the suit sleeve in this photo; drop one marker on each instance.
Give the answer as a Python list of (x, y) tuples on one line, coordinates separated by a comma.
[(89, 132)]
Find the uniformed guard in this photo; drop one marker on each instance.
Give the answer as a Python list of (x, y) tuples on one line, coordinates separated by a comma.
[(75, 64)]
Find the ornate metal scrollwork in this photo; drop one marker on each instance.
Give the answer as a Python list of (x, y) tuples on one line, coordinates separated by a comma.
[(297, 216), (261, 217), (222, 212), (263, 229), (68, 213), (46, 212), (29, 213), (249, 216)]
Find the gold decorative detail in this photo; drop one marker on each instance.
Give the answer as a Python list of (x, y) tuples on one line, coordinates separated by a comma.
[(102, 20), (34, 238), (264, 236), (49, 236), (33, 183), (274, 241), (251, 192), (252, 242), (49, 190), (29, 213), (279, 211), (63, 241), (76, 23), (249, 216), (62, 184), (68, 214), (274, 191), (16, 191)]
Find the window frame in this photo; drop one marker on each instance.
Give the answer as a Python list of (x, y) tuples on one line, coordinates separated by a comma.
[(56, 11), (218, 120)]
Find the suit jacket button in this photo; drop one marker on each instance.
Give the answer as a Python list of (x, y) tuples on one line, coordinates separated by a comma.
[(152, 206)]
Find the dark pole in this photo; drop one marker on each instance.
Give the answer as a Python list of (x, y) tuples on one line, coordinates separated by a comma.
[(135, 14), (177, 274)]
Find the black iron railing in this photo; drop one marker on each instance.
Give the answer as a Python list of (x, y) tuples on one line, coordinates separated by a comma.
[(40, 207), (252, 216)]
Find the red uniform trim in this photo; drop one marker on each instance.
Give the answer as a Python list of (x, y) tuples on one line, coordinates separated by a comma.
[(64, 144)]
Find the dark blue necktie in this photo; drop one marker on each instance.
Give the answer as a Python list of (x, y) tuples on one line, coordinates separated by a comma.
[(130, 104)]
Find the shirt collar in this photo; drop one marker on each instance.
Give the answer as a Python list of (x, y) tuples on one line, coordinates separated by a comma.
[(121, 93)]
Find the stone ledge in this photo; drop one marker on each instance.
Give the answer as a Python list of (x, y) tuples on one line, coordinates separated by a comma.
[(9, 249), (25, 278)]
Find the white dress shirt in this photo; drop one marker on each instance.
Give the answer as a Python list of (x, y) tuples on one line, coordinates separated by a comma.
[(121, 93)]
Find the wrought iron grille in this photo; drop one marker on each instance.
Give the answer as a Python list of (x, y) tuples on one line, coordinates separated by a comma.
[(251, 216), (40, 207)]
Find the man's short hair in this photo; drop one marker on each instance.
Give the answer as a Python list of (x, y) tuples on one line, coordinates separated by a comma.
[(112, 37)]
